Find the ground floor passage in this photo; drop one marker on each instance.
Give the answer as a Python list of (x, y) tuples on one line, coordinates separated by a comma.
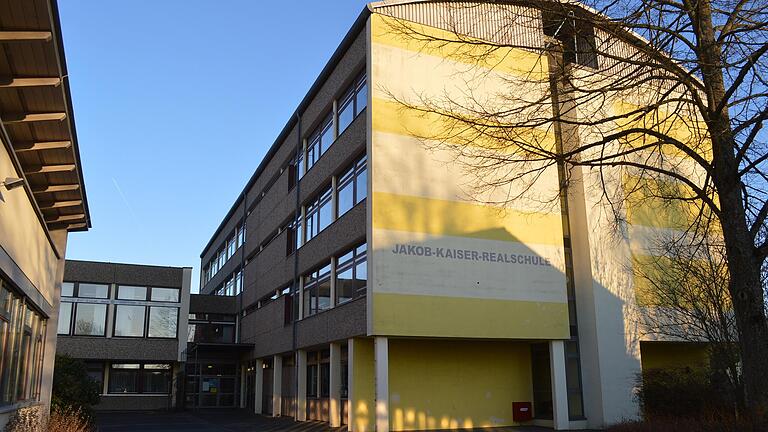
[(368, 384), (382, 384)]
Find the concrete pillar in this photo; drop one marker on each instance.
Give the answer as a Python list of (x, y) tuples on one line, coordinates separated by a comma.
[(301, 390), (334, 400), (381, 356), (258, 386), (243, 379), (559, 385), (277, 386), (350, 383)]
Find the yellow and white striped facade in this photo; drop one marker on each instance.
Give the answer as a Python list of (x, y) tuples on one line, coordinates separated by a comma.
[(463, 280)]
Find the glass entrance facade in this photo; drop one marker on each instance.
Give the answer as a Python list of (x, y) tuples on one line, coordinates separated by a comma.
[(211, 385)]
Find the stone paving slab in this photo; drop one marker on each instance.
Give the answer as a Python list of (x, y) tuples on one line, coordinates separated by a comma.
[(224, 420)]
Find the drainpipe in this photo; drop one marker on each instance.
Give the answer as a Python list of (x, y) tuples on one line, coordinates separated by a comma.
[(295, 288)]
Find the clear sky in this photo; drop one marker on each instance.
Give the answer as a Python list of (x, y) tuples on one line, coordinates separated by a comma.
[(176, 103)]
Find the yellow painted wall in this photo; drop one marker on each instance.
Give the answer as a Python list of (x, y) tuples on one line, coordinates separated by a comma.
[(422, 198), (452, 384), (23, 237), (672, 355), (362, 386)]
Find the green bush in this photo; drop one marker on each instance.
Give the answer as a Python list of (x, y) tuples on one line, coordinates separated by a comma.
[(73, 389)]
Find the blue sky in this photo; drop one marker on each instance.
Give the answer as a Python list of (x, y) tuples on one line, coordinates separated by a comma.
[(176, 103)]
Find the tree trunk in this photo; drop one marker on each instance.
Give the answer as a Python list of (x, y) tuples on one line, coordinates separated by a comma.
[(743, 264)]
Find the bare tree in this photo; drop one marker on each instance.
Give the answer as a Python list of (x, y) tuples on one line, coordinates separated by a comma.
[(683, 297), (663, 93)]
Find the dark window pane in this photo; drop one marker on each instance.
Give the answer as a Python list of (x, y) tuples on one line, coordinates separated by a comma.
[(65, 318), (346, 112), (346, 198), (327, 138), (162, 321), (324, 294), (326, 215), (126, 292), (345, 285), (325, 379), (96, 372), (157, 378), (92, 290), (90, 319), (361, 98), (129, 320), (165, 294), (312, 381), (124, 378), (361, 187)]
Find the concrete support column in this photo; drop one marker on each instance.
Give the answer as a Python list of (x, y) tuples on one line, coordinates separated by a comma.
[(559, 385), (277, 386), (381, 357), (258, 386), (350, 383), (301, 390), (243, 379), (334, 400)]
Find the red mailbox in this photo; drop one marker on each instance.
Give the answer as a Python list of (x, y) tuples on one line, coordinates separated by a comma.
[(522, 412)]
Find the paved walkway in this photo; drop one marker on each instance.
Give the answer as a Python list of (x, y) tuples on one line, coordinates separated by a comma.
[(220, 420)]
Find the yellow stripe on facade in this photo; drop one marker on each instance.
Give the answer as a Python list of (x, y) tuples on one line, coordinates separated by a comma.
[(437, 316), (464, 219), (423, 39), (395, 117)]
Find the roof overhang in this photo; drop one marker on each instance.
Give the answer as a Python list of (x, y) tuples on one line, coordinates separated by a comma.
[(38, 125)]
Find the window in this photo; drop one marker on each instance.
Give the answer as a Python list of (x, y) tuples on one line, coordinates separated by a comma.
[(231, 248), (294, 237), (222, 258), (165, 294), (89, 290), (124, 378), (317, 291), (351, 274), (129, 320), (312, 380), (352, 187), (318, 214), (353, 102), (241, 235), (163, 321), (125, 292), (576, 35), (319, 141), (95, 372), (21, 348), (90, 319), (67, 289), (65, 318), (157, 378)]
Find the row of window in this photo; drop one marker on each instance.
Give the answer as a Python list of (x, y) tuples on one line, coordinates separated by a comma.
[(224, 254), (84, 310), (122, 292), (347, 108), (90, 319), (349, 274), (22, 332), (132, 378), (320, 211), (232, 286)]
